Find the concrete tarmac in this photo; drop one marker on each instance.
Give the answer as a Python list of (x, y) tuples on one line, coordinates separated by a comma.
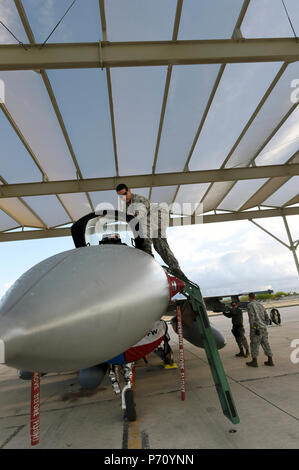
[(266, 399)]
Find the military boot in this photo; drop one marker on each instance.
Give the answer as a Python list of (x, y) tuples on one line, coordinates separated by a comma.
[(253, 363), (247, 353), (269, 362)]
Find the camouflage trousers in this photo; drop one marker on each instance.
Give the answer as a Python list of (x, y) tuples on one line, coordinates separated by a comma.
[(257, 340), (239, 334)]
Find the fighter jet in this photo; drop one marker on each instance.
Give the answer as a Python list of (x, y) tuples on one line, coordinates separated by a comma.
[(83, 307)]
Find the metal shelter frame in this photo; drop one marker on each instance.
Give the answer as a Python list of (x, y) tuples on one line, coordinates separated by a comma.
[(105, 55)]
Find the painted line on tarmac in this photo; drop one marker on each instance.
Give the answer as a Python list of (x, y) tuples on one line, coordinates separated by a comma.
[(132, 438)]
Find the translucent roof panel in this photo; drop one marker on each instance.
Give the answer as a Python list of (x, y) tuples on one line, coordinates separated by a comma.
[(140, 20), (29, 104), (289, 190), (101, 199), (77, 204), (16, 165), (188, 198), (240, 193), (277, 105), (199, 19), (241, 88), (292, 7), (7, 222), (137, 96), (266, 18), (10, 17), (215, 195), (49, 209), (20, 212), (83, 101), (284, 143), (189, 91), (163, 194), (81, 24)]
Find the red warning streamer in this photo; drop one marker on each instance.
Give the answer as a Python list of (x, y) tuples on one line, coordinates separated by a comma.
[(182, 359), (35, 408)]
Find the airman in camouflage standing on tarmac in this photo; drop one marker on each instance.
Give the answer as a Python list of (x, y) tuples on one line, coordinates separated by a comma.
[(258, 320), (153, 221)]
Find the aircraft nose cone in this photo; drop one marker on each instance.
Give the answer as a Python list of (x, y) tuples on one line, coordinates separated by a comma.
[(80, 308)]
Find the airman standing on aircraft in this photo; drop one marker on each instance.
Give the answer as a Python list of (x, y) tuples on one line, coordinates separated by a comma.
[(258, 320), (153, 223)]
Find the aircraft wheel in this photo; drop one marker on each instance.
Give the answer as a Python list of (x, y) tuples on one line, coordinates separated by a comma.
[(130, 405)]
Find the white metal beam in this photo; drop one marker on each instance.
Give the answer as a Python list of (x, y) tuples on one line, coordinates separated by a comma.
[(184, 221), (141, 181), (128, 54)]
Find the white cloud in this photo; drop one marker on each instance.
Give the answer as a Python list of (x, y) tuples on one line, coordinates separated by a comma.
[(5, 287), (226, 258), (9, 16)]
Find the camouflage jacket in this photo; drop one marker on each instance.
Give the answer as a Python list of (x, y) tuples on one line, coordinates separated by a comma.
[(152, 217), (257, 314)]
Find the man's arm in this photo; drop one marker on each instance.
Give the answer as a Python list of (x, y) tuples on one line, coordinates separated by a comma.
[(251, 314), (139, 207)]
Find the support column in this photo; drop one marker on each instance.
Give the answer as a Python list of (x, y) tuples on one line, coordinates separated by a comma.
[(293, 245)]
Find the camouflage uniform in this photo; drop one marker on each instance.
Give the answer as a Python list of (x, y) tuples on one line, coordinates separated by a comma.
[(238, 329), (153, 222), (258, 322)]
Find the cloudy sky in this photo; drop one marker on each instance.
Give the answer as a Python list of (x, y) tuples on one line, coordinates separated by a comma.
[(223, 257)]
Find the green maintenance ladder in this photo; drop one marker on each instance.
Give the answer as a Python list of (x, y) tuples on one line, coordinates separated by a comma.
[(193, 294)]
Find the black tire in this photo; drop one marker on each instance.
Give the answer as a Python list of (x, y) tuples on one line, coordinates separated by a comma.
[(130, 405)]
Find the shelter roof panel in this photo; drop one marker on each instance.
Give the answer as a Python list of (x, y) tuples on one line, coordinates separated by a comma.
[(102, 199), (188, 198), (240, 193), (49, 209), (215, 196), (17, 165), (6, 222), (140, 20), (77, 204), (283, 144), (83, 101), (15, 207), (81, 24), (269, 117), (285, 193), (241, 89), (266, 18), (188, 96), (9, 16), (28, 102), (209, 19), (163, 194), (264, 192), (137, 95)]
